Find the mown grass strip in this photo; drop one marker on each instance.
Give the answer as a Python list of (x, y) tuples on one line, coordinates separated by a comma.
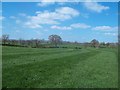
[(42, 74)]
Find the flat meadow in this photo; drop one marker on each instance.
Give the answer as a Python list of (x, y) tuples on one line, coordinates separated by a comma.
[(59, 67)]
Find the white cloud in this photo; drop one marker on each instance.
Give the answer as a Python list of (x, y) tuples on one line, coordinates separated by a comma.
[(1, 17), (72, 26), (32, 25), (85, 15), (18, 21), (96, 7), (12, 17), (17, 31), (61, 28), (67, 11), (105, 28), (0, 10), (54, 0), (46, 17), (44, 3), (22, 14), (80, 25), (111, 34)]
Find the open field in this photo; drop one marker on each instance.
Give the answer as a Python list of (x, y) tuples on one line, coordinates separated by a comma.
[(58, 67)]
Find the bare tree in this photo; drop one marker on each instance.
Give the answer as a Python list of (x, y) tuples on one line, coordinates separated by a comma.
[(86, 44), (20, 42), (37, 42), (0, 40), (95, 43), (108, 44), (55, 39), (14, 42), (102, 44), (5, 38), (119, 38)]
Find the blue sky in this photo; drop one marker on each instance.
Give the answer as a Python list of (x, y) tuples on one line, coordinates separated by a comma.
[(80, 22)]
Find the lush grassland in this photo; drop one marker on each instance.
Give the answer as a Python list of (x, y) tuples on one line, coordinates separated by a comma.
[(57, 67)]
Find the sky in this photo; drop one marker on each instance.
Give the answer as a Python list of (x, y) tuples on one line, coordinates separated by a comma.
[(73, 21)]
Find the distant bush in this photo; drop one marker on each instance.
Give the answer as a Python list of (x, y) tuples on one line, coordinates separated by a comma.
[(78, 48), (49, 47), (13, 45), (54, 47), (102, 46), (64, 47)]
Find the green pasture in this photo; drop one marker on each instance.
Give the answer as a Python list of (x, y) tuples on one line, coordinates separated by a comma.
[(59, 67)]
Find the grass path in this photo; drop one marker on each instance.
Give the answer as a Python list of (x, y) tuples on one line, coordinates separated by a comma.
[(93, 72)]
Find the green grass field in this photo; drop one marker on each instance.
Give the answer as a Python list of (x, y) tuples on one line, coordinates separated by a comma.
[(59, 68)]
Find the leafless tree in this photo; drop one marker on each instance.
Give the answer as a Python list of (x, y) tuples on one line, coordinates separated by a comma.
[(55, 39), (5, 38), (108, 44), (95, 43), (37, 42)]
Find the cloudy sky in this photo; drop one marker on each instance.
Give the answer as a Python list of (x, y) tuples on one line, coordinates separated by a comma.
[(73, 21)]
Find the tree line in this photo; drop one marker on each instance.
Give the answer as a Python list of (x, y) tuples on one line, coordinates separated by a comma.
[(53, 41)]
